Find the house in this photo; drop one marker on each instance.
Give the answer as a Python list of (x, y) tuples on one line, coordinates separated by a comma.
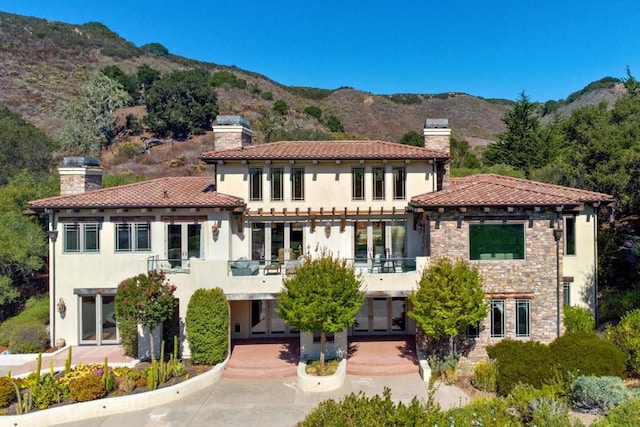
[(389, 209)]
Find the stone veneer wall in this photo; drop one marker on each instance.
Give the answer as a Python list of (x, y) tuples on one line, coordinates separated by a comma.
[(534, 277), (230, 137), (78, 180)]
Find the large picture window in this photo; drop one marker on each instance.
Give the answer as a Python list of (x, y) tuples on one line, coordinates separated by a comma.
[(357, 190), (81, 238), (133, 237), (496, 241), (497, 318), (297, 184), (378, 183), (255, 184), (523, 318), (275, 176)]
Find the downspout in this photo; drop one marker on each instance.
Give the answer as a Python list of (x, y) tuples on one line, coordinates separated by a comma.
[(557, 235), (595, 265), (51, 240)]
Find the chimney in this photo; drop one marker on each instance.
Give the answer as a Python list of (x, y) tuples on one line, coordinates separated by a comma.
[(437, 137), (79, 174), (231, 132)]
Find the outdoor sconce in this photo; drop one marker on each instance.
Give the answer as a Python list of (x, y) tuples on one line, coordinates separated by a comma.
[(327, 228), (215, 231), (62, 307)]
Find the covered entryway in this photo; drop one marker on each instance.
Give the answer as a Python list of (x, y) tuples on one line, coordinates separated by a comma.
[(265, 321), (381, 316)]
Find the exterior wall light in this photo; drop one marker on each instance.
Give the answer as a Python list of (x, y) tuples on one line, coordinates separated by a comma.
[(62, 307), (215, 231), (327, 228)]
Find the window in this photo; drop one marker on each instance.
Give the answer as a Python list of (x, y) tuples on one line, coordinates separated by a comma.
[(357, 177), (399, 183), (497, 318), (255, 184), (297, 183), (570, 236), (275, 176), (378, 183), (523, 318), (133, 237), (82, 238), (566, 293), (496, 241), (472, 331)]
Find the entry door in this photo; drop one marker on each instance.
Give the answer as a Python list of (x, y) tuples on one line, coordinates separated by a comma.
[(183, 242), (381, 315), (97, 322), (265, 320)]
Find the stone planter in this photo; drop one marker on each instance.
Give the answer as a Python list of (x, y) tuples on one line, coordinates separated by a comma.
[(311, 383)]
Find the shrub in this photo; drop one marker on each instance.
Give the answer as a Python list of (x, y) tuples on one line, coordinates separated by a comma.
[(598, 394), (626, 414), (86, 388), (626, 335), (520, 361), (444, 367), (31, 338), (313, 111), (7, 392), (479, 412), (48, 391), (587, 354), (36, 311), (549, 412), (521, 397), (129, 150), (577, 319), (485, 375), (207, 325)]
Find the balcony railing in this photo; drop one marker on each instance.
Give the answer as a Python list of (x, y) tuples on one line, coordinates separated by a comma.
[(169, 266)]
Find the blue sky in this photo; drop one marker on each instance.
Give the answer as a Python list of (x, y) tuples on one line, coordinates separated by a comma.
[(488, 48)]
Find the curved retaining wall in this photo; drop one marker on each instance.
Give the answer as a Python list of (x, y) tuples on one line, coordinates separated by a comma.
[(311, 383), (115, 405)]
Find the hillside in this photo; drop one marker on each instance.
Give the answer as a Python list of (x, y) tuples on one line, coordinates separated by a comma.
[(45, 63)]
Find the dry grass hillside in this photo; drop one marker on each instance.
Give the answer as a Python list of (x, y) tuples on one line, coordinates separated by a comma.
[(44, 64)]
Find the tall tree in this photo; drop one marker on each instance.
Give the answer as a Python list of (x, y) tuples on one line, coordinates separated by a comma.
[(520, 145), (412, 138), (181, 103), (449, 298), (91, 123), (324, 295)]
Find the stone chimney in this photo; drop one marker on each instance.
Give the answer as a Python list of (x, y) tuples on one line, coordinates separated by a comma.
[(79, 174), (231, 132), (437, 136)]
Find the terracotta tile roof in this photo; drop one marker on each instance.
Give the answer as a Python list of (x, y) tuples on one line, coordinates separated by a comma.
[(496, 190), (325, 150), (157, 193)]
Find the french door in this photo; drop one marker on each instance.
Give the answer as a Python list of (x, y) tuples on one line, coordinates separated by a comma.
[(97, 322), (184, 240), (265, 320), (381, 315)]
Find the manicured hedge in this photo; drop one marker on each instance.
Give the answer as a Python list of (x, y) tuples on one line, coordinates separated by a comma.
[(207, 326), (528, 362), (587, 354)]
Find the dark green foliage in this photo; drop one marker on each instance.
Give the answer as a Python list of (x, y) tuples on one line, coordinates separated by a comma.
[(626, 414), (227, 79), (313, 93), (128, 82), (36, 311), (22, 146), (86, 388), (207, 325), (626, 335), (587, 354), (412, 138), (505, 170), (528, 362), (146, 76), (577, 319), (121, 179), (356, 410), (280, 107), (29, 338), (603, 83), (181, 103), (132, 124), (334, 124), (461, 155), (598, 394), (267, 96), (314, 111), (7, 392), (300, 134), (154, 49)]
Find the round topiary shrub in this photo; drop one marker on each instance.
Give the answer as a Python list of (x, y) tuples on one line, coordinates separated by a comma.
[(587, 354), (28, 338), (524, 362), (86, 388), (207, 326)]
